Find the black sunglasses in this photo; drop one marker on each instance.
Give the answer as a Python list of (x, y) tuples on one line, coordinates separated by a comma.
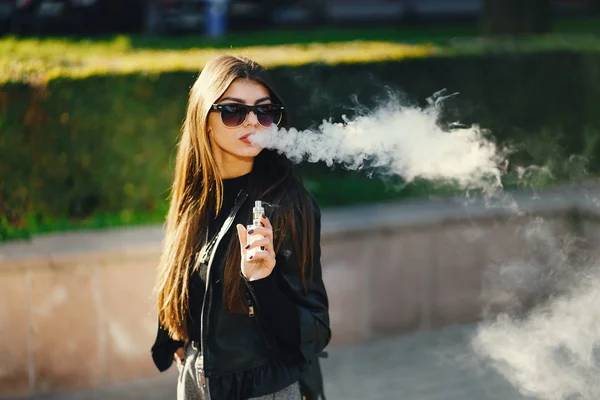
[(234, 115)]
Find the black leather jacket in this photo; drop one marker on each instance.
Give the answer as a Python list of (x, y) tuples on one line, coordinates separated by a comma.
[(242, 353)]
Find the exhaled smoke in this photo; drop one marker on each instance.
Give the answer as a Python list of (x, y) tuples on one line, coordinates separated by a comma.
[(546, 341), (552, 352), (397, 140)]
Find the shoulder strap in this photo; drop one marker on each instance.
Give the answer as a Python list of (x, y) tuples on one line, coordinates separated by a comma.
[(208, 247)]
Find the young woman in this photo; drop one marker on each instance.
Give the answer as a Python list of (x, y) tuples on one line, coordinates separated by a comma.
[(244, 319)]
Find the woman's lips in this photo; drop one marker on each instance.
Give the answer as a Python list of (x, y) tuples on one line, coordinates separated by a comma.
[(246, 139)]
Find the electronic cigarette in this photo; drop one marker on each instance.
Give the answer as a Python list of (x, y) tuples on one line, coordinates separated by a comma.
[(257, 213)]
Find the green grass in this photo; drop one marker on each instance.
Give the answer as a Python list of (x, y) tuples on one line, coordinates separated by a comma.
[(41, 59)]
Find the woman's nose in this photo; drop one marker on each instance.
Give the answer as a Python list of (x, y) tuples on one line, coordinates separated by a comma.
[(252, 118)]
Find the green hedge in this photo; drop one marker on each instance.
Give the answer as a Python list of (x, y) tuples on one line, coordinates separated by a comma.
[(99, 151)]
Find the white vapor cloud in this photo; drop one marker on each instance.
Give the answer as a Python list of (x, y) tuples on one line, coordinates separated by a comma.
[(397, 140)]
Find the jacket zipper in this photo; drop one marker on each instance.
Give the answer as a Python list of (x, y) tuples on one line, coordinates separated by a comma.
[(250, 308), (236, 206), (251, 301)]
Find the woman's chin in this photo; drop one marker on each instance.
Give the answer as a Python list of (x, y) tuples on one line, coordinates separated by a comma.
[(249, 151)]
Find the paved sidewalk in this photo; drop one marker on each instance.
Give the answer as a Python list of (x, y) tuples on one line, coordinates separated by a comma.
[(434, 365)]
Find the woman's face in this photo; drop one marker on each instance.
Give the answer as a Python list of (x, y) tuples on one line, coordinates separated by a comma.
[(233, 141)]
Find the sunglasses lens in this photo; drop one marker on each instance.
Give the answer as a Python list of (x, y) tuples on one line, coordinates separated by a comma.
[(268, 115), (233, 115)]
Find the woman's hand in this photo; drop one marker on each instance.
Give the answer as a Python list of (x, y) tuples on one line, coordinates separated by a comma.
[(261, 263), (179, 356)]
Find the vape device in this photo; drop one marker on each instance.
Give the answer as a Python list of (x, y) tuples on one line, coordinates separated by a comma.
[(257, 213)]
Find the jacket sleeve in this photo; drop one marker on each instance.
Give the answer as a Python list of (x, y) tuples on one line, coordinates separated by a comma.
[(302, 315), (163, 349)]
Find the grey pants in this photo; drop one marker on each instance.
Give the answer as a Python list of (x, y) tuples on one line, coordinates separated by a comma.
[(190, 387)]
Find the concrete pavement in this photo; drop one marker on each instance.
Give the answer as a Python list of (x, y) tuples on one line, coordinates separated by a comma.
[(427, 365)]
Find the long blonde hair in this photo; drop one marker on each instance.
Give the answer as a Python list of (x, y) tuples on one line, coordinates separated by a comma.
[(198, 188)]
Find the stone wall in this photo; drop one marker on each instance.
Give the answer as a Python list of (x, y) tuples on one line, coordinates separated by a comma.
[(77, 310)]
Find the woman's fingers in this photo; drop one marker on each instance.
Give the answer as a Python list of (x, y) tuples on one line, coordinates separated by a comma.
[(259, 251), (180, 354), (266, 223), (261, 256), (261, 230), (264, 242), (241, 230)]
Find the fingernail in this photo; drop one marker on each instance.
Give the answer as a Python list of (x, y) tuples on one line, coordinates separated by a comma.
[(247, 247), (262, 248), (264, 216), (251, 231)]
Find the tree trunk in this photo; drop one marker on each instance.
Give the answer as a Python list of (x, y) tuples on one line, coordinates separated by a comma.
[(516, 17)]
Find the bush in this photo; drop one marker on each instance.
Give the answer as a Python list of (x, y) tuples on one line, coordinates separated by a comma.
[(98, 151)]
